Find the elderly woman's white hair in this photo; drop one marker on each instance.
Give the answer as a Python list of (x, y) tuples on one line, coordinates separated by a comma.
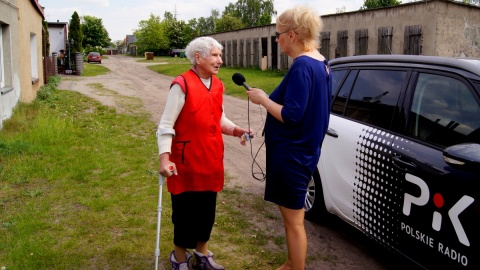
[(201, 45)]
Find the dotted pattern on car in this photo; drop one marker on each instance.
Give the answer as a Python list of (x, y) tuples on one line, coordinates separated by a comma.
[(374, 197)]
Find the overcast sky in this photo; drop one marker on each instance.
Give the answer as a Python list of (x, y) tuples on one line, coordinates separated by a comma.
[(121, 17)]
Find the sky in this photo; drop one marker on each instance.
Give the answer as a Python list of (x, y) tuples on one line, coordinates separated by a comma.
[(121, 17)]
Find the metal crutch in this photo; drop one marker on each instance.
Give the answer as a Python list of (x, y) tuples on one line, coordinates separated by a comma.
[(161, 180)]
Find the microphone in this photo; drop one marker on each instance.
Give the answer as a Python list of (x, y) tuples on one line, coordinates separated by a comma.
[(238, 79)]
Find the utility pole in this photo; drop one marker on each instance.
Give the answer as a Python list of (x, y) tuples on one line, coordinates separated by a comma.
[(175, 12)]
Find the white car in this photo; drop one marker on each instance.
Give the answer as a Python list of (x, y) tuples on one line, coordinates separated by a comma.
[(401, 159)]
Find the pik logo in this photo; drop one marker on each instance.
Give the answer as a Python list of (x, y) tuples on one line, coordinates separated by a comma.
[(438, 200)]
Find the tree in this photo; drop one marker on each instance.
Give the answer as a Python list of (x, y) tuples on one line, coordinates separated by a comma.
[(46, 48), (228, 23), (151, 35), (252, 12), (191, 30), (174, 30), (205, 26), (118, 44), (472, 2), (95, 36), (367, 4), (341, 10), (75, 35)]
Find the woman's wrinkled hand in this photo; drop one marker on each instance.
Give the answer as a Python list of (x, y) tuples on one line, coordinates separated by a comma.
[(166, 168)]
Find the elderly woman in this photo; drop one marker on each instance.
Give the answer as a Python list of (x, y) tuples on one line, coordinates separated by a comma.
[(297, 121), (191, 152)]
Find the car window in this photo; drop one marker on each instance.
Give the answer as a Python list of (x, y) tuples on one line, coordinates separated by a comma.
[(374, 96), (337, 77), (341, 100), (444, 112)]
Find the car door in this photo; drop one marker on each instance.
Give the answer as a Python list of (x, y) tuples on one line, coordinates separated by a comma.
[(439, 222), (354, 165)]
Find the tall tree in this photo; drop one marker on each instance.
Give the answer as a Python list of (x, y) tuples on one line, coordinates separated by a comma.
[(228, 23), (191, 30), (174, 30), (46, 48), (205, 26), (252, 12), (75, 35), (472, 2), (367, 4), (151, 35), (95, 36)]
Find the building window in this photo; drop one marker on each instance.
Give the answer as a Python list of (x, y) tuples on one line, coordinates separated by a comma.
[(342, 37), (361, 41), (264, 47), (325, 44), (385, 40), (256, 52), (2, 66), (234, 53), (223, 54), (34, 56), (413, 40)]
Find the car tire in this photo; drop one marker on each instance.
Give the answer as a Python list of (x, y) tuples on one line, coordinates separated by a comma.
[(314, 207)]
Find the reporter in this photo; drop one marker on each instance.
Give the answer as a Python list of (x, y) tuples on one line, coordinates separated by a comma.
[(297, 121)]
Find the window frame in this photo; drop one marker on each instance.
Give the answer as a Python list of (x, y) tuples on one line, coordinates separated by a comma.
[(409, 98), (34, 57), (355, 72), (2, 64)]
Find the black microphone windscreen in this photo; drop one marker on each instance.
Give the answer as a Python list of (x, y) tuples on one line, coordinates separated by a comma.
[(238, 79)]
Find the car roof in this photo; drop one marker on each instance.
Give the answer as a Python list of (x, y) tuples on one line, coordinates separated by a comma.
[(468, 64)]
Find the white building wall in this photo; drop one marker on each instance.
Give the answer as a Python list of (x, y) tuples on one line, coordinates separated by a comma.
[(57, 38), (10, 92)]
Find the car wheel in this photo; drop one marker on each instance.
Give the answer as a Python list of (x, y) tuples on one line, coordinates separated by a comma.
[(99, 62), (314, 207)]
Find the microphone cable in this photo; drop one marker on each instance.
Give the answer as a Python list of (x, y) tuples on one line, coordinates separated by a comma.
[(239, 80), (259, 175)]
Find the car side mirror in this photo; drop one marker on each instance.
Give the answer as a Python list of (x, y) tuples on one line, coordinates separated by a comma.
[(465, 156)]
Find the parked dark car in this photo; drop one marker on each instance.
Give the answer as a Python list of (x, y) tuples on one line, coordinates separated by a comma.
[(401, 159), (94, 57), (177, 53)]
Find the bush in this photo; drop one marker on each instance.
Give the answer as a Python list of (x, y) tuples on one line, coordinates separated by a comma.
[(55, 80), (45, 94)]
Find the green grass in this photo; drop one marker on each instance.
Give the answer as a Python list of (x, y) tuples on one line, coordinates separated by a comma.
[(79, 190), (265, 80), (90, 70)]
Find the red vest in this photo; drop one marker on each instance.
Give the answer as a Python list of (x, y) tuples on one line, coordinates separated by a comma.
[(197, 148)]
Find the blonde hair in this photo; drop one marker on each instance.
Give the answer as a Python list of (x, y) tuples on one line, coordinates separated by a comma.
[(305, 22)]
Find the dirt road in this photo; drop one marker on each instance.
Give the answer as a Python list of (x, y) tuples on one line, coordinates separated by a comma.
[(336, 248)]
